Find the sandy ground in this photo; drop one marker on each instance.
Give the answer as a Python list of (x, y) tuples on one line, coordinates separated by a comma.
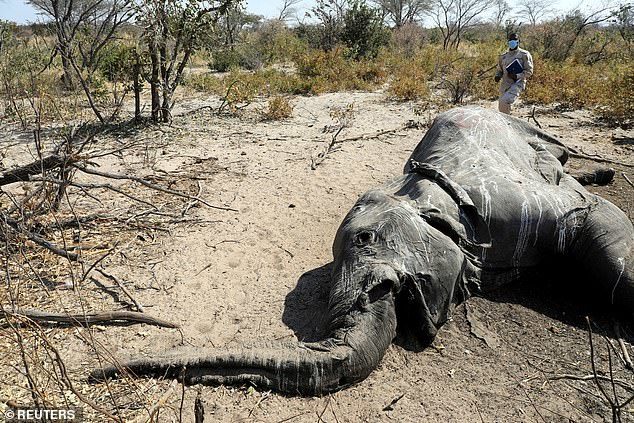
[(258, 273)]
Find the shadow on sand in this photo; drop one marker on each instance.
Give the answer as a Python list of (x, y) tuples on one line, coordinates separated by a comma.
[(556, 291)]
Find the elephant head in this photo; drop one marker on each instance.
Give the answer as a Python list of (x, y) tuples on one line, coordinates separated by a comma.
[(391, 247), (394, 265)]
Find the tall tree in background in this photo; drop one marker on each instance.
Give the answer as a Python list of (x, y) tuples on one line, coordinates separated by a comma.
[(82, 28), (453, 17), (501, 12), (402, 12), (363, 31), (534, 10), (330, 15), (288, 10), (173, 31)]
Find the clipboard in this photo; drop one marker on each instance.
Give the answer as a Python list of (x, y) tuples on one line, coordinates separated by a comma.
[(515, 67)]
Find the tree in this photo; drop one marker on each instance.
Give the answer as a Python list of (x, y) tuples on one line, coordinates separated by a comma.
[(501, 11), (232, 22), (288, 10), (363, 30), (82, 28), (172, 31), (624, 20), (330, 15), (453, 17), (402, 12), (562, 34), (534, 10)]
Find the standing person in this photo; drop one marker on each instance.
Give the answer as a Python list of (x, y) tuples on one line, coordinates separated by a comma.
[(514, 68)]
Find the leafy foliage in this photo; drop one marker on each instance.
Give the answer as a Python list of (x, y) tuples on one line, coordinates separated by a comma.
[(363, 32)]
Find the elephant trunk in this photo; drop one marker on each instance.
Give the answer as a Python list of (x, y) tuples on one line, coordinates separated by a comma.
[(348, 356)]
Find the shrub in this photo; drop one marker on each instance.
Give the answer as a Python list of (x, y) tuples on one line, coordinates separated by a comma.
[(205, 82), (409, 83), (278, 108), (276, 42), (224, 60), (116, 61), (619, 101), (408, 39), (330, 71), (571, 85)]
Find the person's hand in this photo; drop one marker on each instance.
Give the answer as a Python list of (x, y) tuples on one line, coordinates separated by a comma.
[(498, 76)]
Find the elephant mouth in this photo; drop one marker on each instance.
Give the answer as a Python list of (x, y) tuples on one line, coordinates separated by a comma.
[(382, 281)]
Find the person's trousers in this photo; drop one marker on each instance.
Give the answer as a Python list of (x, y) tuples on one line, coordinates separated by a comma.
[(508, 95)]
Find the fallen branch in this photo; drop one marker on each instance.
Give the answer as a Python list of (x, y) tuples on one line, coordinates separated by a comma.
[(532, 116), (620, 382), (370, 136), (199, 409), (316, 161), (598, 159), (17, 227), (106, 317), (156, 407), (120, 284), (23, 173), (150, 185), (627, 179), (626, 355)]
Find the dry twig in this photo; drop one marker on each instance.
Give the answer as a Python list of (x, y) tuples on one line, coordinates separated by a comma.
[(106, 317), (120, 284)]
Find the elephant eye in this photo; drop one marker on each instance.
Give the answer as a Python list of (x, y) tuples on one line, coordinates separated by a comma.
[(364, 238)]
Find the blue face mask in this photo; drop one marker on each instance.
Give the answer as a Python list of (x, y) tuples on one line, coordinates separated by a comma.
[(513, 44)]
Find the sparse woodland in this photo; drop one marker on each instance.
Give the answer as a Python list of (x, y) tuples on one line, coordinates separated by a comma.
[(97, 93)]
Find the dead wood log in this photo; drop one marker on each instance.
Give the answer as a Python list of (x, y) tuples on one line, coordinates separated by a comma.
[(23, 173), (106, 317)]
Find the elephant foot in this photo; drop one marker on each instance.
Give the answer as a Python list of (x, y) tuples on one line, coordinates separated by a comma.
[(599, 175)]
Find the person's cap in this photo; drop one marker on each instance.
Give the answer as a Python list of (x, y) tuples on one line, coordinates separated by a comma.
[(514, 36)]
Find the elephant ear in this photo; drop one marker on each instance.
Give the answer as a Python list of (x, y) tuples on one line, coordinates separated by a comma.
[(471, 230), (425, 303)]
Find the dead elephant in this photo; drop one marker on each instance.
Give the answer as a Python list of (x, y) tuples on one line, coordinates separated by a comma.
[(482, 199)]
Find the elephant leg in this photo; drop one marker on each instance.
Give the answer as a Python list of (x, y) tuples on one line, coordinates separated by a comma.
[(604, 246)]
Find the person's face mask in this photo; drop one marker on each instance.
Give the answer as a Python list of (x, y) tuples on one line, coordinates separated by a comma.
[(513, 44)]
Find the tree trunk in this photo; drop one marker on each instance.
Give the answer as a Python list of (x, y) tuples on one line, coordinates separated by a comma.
[(137, 89), (155, 83), (165, 107), (67, 75)]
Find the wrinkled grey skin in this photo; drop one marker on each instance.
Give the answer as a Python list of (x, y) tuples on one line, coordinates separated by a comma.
[(483, 198)]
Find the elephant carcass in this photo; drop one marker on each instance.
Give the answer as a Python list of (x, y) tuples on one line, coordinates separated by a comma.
[(483, 198)]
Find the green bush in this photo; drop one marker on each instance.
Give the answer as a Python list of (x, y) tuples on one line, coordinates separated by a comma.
[(116, 61), (224, 60), (363, 31), (569, 84)]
